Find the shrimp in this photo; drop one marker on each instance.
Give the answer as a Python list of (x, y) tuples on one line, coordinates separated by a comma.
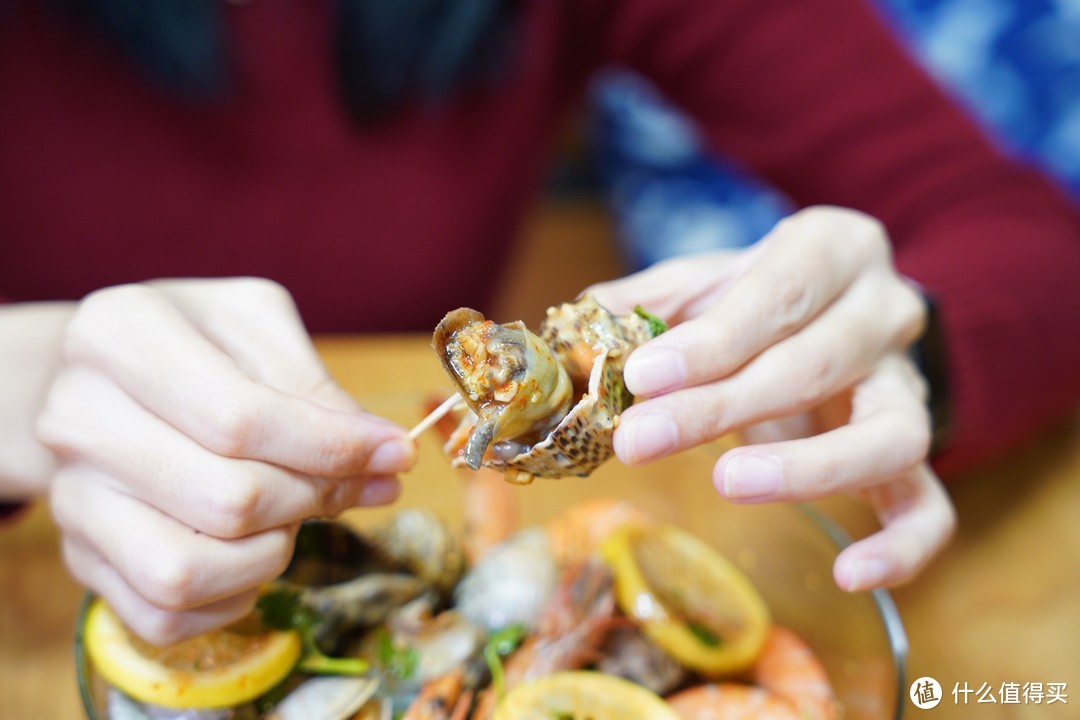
[(464, 704), (572, 625), (440, 697), (577, 532), (791, 684), (569, 633), (788, 668), (730, 701), (491, 512)]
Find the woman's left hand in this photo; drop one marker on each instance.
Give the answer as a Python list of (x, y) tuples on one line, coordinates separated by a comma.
[(760, 340)]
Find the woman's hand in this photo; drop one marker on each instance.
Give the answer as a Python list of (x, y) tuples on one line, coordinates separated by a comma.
[(813, 313), (195, 427)]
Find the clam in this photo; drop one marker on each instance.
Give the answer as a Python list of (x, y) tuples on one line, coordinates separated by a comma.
[(541, 405), (121, 707), (421, 541), (330, 697), (511, 583), (349, 579)]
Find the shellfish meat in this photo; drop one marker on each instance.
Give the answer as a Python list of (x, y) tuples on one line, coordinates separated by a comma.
[(543, 405)]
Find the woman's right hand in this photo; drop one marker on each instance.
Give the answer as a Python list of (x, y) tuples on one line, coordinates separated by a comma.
[(772, 340), (195, 427)]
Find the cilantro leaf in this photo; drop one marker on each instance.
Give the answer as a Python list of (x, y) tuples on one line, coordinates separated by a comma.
[(401, 661), (656, 324), (282, 609), (704, 635), (501, 643)]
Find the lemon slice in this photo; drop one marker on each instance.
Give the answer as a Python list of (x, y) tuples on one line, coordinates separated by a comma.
[(582, 695), (221, 668), (690, 600)]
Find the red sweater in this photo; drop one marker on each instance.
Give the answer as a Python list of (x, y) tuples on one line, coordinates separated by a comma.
[(104, 180)]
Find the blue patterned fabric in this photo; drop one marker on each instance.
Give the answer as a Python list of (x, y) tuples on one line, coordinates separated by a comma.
[(1014, 63)]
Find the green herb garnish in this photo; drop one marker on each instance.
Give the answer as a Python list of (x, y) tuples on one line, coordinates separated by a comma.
[(704, 635), (398, 660), (656, 325), (501, 643), (281, 609)]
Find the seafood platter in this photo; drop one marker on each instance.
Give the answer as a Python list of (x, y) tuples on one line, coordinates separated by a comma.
[(595, 602)]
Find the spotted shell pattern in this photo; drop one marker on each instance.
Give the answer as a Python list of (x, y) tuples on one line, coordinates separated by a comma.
[(582, 441)]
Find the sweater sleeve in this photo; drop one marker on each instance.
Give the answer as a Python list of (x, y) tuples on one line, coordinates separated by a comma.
[(8, 509), (819, 98)]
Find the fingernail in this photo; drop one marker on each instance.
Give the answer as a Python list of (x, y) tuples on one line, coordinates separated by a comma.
[(393, 456), (868, 573), (750, 477), (656, 370), (380, 491), (645, 437)]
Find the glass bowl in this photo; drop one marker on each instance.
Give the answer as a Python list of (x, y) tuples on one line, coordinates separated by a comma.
[(787, 550)]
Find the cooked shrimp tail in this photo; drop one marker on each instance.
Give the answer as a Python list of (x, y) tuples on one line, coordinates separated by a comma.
[(571, 628), (788, 668), (568, 635), (437, 698), (577, 531), (730, 701), (464, 704)]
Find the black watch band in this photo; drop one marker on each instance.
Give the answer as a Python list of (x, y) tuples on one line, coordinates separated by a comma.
[(928, 352)]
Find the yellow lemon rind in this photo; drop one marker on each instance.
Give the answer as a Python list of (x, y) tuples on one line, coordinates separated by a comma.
[(583, 694), (116, 659), (733, 654)]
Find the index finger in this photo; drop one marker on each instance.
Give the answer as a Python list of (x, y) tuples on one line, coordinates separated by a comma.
[(800, 271), (256, 323), (148, 347)]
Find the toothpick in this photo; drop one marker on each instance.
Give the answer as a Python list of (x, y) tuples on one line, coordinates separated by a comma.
[(435, 416)]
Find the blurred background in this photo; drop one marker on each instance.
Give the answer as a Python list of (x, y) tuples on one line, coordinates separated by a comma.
[(1014, 63), (634, 168)]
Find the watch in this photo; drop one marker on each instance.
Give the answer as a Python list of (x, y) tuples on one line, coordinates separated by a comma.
[(928, 352)]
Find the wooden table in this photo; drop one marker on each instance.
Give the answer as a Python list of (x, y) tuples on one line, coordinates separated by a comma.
[(1000, 605)]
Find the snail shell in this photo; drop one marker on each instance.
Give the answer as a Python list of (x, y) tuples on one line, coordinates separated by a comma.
[(591, 344)]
